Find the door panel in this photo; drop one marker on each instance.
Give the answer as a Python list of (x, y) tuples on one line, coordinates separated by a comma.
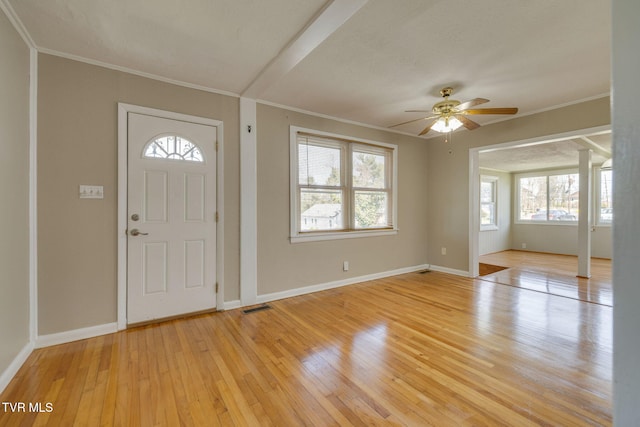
[(154, 257), (194, 255), (171, 243), (194, 197), (155, 197)]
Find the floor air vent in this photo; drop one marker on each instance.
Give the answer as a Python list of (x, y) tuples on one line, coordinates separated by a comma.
[(259, 308)]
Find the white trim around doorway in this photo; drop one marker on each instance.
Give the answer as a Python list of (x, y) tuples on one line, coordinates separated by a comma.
[(474, 183), (123, 110)]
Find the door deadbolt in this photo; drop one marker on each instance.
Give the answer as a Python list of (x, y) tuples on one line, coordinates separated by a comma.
[(135, 217)]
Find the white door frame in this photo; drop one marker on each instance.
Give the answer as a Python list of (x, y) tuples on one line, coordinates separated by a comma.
[(123, 110)]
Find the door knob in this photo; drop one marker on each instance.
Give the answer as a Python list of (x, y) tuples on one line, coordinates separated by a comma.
[(136, 232)]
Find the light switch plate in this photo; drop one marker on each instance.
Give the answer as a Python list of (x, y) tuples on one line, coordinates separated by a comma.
[(91, 192)]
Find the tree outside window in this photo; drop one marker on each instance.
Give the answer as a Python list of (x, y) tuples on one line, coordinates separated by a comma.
[(550, 197), (606, 197), (342, 185)]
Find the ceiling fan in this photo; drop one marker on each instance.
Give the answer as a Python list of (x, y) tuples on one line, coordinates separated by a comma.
[(450, 114)]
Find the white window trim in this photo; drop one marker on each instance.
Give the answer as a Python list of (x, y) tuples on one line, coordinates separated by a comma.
[(495, 180), (516, 201), (597, 175), (298, 237)]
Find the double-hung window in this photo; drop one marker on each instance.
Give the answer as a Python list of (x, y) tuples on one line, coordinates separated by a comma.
[(488, 202), (340, 186)]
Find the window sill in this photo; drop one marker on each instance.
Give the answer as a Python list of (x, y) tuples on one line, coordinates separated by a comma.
[(553, 223), (319, 236)]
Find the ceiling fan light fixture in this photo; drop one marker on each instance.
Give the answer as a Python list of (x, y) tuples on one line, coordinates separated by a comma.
[(451, 114), (446, 124)]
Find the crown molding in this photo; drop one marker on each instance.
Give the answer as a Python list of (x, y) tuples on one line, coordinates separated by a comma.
[(12, 16)]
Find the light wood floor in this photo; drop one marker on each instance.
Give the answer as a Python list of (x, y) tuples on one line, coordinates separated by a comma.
[(415, 349), (553, 274)]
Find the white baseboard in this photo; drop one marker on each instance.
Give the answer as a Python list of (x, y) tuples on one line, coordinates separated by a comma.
[(230, 305), (450, 271), (75, 335), (15, 365), (336, 284)]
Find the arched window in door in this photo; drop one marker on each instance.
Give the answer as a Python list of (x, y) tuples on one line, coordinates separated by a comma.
[(173, 147)]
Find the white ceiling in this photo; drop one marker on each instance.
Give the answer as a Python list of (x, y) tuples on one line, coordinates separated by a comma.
[(357, 60)]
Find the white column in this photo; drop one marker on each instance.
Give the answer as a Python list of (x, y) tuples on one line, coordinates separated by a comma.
[(248, 203), (474, 210), (584, 218)]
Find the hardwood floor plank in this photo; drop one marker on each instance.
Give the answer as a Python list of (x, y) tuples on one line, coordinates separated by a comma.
[(415, 349)]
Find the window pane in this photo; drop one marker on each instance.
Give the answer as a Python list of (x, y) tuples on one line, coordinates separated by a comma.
[(318, 165), (371, 209), (487, 214), (564, 191), (533, 198), (173, 147), (606, 197), (368, 170), (320, 210), (487, 192)]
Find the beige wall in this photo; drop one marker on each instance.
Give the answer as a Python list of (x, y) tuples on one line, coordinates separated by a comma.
[(14, 193), (448, 171), (560, 239), (283, 266), (77, 144)]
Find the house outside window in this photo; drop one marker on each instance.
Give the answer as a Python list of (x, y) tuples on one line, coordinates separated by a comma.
[(549, 197), (488, 203), (341, 187)]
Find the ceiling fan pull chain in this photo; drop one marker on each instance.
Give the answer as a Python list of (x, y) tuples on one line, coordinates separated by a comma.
[(447, 137)]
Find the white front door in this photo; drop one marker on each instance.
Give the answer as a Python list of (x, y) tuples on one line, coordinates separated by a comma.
[(171, 228)]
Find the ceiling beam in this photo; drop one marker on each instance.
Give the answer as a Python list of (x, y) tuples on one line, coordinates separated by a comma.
[(322, 25), (588, 143)]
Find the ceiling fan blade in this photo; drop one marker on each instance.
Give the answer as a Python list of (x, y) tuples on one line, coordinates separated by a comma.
[(411, 121), (418, 111), (491, 111), (468, 123), (472, 103), (427, 129)]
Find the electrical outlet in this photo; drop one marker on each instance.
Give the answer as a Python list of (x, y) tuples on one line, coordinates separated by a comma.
[(345, 266), (524, 246), (443, 251)]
